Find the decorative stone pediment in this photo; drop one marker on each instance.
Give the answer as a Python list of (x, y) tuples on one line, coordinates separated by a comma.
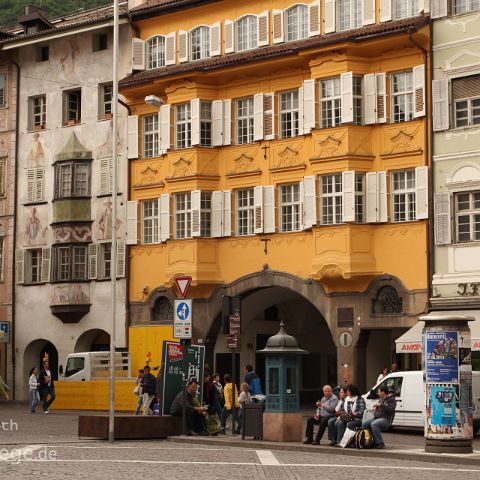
[(182, 167), (332, 145), (401, 139), (148, 175), (243, 163)]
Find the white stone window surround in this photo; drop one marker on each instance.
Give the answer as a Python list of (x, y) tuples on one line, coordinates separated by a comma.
[(155, 51), (246, 33), (463, 258), (199, 42), (296, 18)]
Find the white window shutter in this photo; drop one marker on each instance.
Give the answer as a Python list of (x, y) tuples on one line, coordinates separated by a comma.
[(20, 265), (269, 116), (30, 185), (368, 12), (170, 50), (138, 54), (421, 6), (440, 105), (258, 206), (348, 196), (258, 117), (229, 36), (196, 212), (381, 104), (227, 213), (269, 209), (370, 98), (121, 258), (309, 201), (346, 87), (227, 122), (263, 31), (215, 40), (421, 193), (438, 8), (372, 197), (385, 10), (39, 181), (182, 46), (217, 213), (132, 222), (443, 229), (419, 91), (164, 128), (329, 16), (195, 121), (217, 123), (164, 211), (106, 176), (92, 261), (132, 136), (300, 111), (309, 105), (314, 18), (382, 197), (46, 264), (277, 21)]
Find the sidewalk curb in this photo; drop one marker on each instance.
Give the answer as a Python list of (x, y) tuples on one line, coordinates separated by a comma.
[(463, 459)]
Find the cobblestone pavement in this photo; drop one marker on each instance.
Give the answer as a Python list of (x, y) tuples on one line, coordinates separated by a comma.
[(47, 446)]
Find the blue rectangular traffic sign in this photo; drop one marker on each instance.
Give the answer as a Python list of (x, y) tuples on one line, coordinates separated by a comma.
[(182, 318), (4, 332)]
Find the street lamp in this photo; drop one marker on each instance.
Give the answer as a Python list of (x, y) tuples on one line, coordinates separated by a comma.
[(154, 101)]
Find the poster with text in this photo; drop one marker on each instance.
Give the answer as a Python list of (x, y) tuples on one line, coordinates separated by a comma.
[(442, 356), (443, 405)]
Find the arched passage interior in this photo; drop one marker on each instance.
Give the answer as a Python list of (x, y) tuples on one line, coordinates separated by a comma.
[(36, 352)]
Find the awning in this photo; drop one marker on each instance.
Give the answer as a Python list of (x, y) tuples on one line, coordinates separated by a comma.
[(411, 341)]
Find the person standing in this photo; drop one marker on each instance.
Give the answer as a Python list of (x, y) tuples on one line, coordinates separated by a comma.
[(394, 367), (227, 409), (383, 413), (139, 391), (325, 411), (243, 399), (219, 401), (33, 385), (148, 388), (47, 386), (209, 392), (382, 375), (253, 380)]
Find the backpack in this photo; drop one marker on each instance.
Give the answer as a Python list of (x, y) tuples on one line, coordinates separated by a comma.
[(255, 386), (363, 439)]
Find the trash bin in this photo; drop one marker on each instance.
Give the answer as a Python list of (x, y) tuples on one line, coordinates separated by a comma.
[(252, 421)]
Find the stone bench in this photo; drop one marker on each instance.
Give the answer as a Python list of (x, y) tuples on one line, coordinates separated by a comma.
[(129, 427)]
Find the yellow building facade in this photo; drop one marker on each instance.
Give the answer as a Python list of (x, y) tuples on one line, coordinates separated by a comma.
[(278, 154)]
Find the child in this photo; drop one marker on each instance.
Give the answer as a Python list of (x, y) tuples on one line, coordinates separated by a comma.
[(138, 390), (243, 398)]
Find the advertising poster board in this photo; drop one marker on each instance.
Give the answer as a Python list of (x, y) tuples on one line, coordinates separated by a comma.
[(172, 364), (442, 357)]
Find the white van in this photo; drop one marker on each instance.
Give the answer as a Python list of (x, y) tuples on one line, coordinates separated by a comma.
[(410, 395), (86, 366)]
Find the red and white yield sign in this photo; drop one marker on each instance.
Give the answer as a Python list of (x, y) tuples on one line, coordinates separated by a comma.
[(182, 284)]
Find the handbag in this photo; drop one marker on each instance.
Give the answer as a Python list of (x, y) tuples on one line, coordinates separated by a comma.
[(347, 438), (346, 416), (367, 415), (137, 390)]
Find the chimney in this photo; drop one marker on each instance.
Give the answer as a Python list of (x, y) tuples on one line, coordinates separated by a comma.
[(34, 20)]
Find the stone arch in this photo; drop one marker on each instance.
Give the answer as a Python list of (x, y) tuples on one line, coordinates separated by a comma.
[(34, 353), (93, 340), (208, 310)]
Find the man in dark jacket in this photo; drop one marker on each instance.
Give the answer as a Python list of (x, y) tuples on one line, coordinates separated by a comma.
[(195, 415), (47, 387), (383, 415), (148, 388), (253, 380)]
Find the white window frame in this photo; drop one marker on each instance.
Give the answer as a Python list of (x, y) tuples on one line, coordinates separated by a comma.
[(402, 94), (331, 199), (206, 124), (38, 112), (330, 102), (245, 212), (246, 33), (405, 196), (103, 260), (349, 14), (289, 114), (105, 91), (358, 104), (68, 268), (183, 215), (462, 7), (200, 43), (150, 219), (404, 9), (360, 197), (296, 19), (29, 265), (244, 121), (183, 126), (79, 262), (470, 108), (156, 52), (72, 107), (150, 136), (206, 214), (290, 203), (471, 213)]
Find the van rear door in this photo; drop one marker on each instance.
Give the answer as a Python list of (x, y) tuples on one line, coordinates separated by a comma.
[(413, 400)]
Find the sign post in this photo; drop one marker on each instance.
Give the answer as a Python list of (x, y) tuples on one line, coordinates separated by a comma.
[(4, 332)]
